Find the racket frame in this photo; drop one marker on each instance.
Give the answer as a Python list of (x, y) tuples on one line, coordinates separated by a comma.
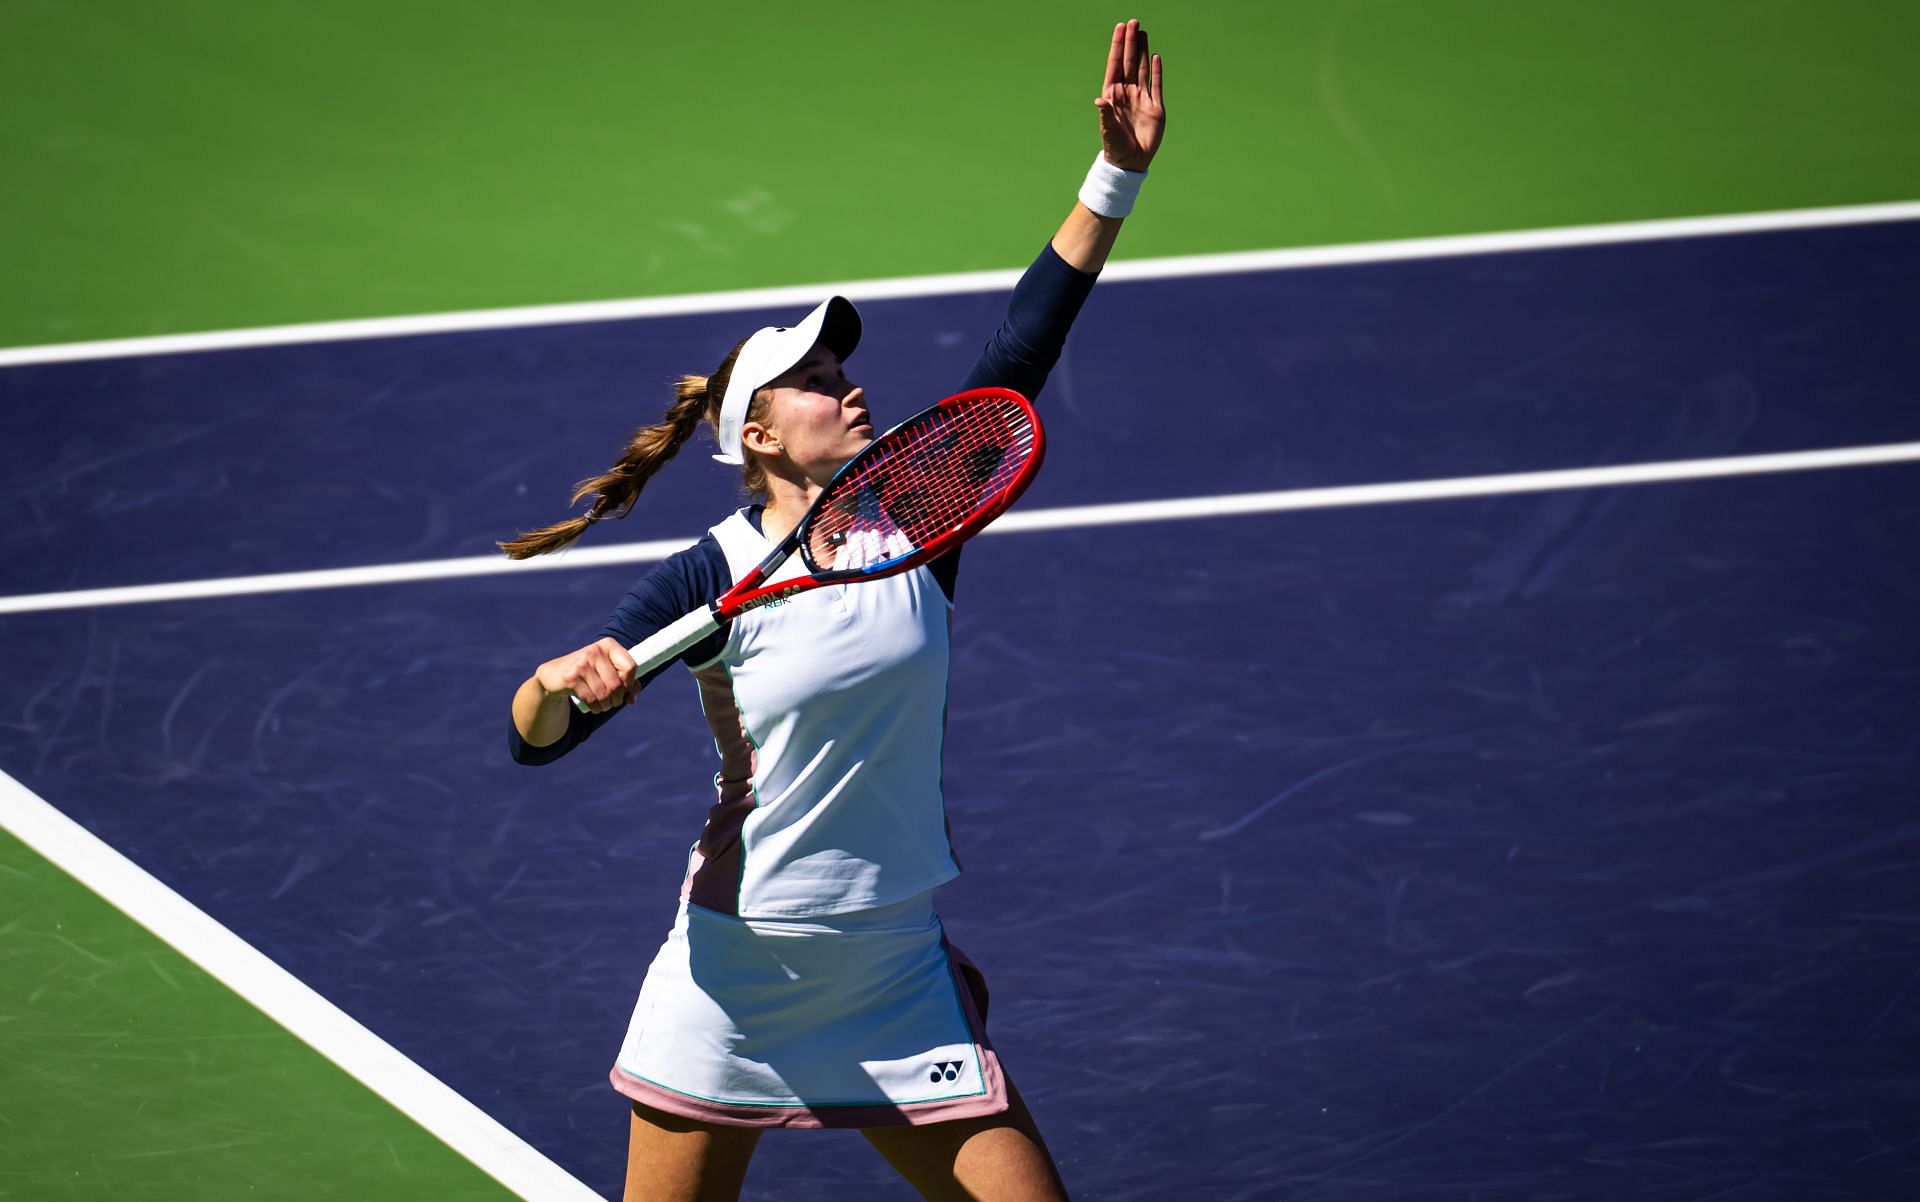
[(743, 596)]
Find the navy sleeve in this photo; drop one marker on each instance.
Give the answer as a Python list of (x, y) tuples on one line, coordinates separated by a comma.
[(681, 584), (675, 588), (1022, 352), (1024, 349)]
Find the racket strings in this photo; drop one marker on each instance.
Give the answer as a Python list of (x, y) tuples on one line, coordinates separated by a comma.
[(929, 478)]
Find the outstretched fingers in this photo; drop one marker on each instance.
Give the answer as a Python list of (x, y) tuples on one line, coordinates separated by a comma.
[(1116, 55), (1131, 114), (1131, 62)]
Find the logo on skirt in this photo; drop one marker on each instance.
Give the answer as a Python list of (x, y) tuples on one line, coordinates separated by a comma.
[(945, 1070)]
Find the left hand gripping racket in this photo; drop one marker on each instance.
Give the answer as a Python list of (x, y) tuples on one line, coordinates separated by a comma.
[(914, 493)]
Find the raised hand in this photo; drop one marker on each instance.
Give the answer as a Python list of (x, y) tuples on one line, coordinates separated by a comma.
[(1132, 115)]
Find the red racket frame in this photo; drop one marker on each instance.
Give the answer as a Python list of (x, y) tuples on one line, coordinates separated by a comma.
[(744, 595)]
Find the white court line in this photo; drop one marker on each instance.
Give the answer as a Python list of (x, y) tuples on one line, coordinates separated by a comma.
[(285, 998), (1059, 518), (975, 281), (386, 573)]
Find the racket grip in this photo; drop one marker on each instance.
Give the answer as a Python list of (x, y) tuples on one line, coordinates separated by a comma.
[(667, 642)]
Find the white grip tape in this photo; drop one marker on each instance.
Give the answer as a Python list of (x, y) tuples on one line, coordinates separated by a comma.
[(666, 643)]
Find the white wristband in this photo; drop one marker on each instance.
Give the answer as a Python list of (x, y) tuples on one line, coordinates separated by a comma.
[(1109, 190)]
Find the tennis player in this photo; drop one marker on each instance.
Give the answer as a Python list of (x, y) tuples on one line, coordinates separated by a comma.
[(806, 981)]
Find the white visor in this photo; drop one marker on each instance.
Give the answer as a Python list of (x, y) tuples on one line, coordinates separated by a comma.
[(772, 352)]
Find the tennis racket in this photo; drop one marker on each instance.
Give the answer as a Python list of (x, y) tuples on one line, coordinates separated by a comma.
[(912, 494)]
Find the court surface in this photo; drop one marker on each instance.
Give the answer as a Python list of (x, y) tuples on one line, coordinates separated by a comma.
[(1552, 844), (1465, 837)]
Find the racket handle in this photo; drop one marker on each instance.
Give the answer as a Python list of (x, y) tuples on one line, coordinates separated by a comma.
[(667, 642)]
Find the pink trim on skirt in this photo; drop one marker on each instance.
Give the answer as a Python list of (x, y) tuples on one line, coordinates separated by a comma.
[(971, 986)]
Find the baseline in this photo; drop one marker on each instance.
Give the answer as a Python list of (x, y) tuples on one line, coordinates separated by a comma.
[(1173, 267)]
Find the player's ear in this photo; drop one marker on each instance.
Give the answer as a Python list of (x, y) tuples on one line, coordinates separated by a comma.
[(756, 436)]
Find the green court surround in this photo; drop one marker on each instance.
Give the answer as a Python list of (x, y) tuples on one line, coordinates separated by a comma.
[(126, 1072), (217, 164)]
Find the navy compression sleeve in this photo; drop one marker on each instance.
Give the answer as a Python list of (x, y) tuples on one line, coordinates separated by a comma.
[(1028, 343), (1022, 352)]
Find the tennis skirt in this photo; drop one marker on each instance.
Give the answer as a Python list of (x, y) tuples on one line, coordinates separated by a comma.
[(851, 1020)]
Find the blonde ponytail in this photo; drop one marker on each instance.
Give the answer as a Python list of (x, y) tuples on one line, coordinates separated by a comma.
[(696, 398)]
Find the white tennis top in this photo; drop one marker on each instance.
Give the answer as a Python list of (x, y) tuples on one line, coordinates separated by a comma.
[(828, 710)]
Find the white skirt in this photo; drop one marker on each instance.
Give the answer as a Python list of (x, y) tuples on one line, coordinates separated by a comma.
[(849, 1020)]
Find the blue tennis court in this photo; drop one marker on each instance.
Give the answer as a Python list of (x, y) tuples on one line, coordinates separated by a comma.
[(1540, 845)]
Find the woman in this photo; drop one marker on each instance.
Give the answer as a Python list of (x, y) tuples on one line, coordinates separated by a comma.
[(806, 981)]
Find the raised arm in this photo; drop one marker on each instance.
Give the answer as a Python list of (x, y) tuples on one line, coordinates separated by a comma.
[(1022, 352), (1132, 119)]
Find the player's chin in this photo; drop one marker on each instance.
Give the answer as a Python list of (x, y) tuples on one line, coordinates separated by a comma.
[(844, 453)]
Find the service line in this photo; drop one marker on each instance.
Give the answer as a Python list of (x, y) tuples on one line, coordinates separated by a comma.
[(1065, 517)]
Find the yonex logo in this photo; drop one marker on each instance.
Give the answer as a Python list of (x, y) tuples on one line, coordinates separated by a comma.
[(947, 1070), (775, 600)]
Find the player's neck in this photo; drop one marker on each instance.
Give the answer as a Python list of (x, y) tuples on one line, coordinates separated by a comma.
[(786, 505)]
